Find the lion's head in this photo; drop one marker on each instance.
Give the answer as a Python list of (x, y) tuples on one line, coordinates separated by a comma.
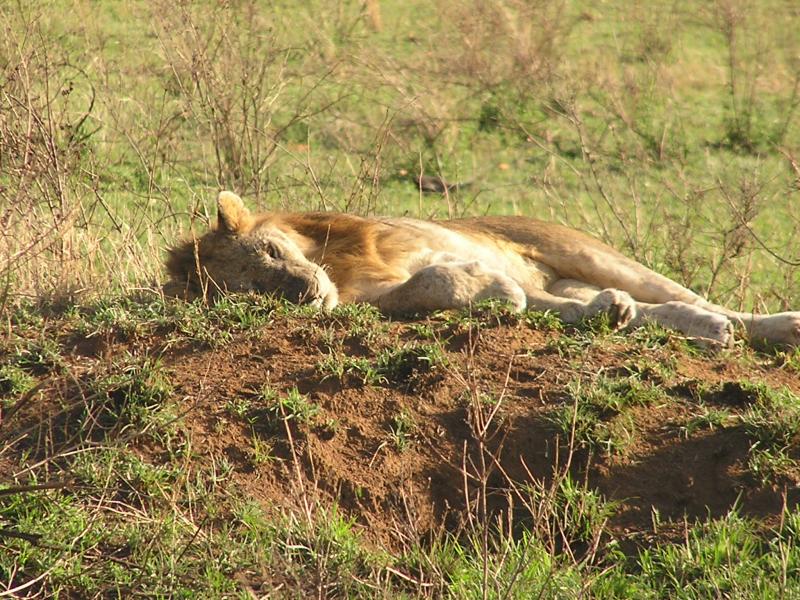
[(245, 253)]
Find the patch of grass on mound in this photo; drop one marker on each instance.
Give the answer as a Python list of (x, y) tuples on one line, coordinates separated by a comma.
[(36, 356), (773, 419), (211, 324), (135, 392), (773, 424), (14, 381), (600, 411), (393, 365)]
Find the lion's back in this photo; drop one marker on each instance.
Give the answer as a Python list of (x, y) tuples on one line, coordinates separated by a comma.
[(536, 236)]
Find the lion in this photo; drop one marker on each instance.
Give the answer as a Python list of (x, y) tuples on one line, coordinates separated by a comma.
[(407, 266)]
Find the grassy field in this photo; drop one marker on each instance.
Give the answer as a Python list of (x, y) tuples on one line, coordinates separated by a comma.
[(253, 449), (667, 128)]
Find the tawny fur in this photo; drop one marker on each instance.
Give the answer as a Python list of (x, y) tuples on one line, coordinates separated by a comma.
[(407, 265)]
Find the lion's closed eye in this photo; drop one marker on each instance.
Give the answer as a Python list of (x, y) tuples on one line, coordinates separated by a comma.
[(272, 250)]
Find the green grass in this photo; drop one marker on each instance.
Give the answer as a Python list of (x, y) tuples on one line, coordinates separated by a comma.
[(394, 365), (774, 418), (728, 558), (706, 418), (114, 553), (599, 414), (402, 430), (14, 381), (293, 406), (135, 392)]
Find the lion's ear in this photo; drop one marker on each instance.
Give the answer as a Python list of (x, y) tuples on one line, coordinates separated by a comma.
[(232, 213)]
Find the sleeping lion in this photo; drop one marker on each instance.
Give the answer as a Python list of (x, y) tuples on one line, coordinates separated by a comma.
[(407, 266)]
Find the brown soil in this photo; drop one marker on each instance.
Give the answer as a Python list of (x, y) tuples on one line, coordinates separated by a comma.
[(346, 453)]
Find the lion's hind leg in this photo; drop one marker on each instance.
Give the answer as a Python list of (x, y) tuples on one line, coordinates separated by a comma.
[(458, 284), (584, 261), (780, 329), (692, 320), (618, 304)]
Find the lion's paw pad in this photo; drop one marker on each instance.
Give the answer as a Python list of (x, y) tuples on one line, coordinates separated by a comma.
[(619, 305)]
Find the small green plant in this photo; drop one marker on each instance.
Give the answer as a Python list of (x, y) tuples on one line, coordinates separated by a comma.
[(583, 511), (578, 417), (37, 356), (651, 335), (328, 338), (546, 321), (136, 392), (14, 381), (241, 312), (424, 331), (403, 364), (261, 450), (458, 321), (358, 319), (789, 359), (395, 365), (354, 321), (616, 394), (341, 366), (706, 418), (125, 466), (330, 427), (598, 325), (215, 325), (294, 406), (571, 513), (492, 312), (652, 370), (266, 395), (239, 406), (193, 323), (24, 314), (501, 311), (118, 315), (772, 465), (402, 430), (141, 382), (610, 434), (569, 344)]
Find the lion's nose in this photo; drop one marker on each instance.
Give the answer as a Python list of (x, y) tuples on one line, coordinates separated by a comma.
[(312, 295)]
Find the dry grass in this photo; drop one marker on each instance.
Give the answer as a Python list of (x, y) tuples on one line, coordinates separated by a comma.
[(117, 126)]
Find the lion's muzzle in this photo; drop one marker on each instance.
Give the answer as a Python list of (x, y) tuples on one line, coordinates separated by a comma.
[(301, 284)]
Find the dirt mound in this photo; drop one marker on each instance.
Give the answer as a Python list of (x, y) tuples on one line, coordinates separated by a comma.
[(402, 424), (395, 451)]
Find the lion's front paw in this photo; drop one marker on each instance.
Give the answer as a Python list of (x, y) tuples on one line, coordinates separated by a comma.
[(782, 329), (619, 306)]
